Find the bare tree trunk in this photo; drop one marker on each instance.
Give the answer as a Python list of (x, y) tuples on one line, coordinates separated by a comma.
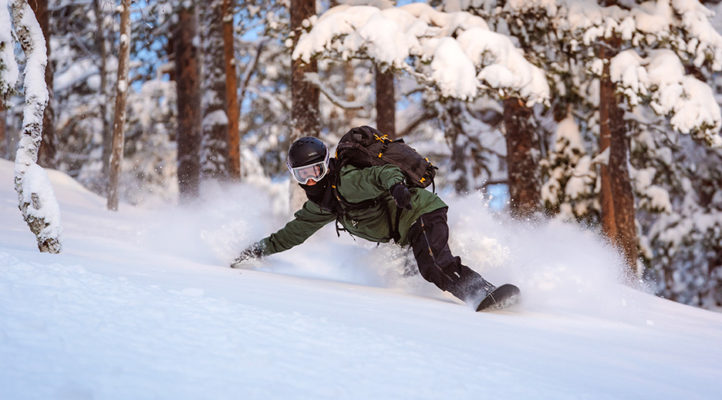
[(121, 92), (36, 199), (46, 156), (214, 126), (385, 102), (618, 214), (189, 103), (521, 160), (233, 108), (304, 95), (100, 42)]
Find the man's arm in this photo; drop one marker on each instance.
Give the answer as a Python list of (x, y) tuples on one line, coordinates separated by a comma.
[(307, 221)]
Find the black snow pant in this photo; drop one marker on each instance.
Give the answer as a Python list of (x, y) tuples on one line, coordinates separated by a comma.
[(429, 237)]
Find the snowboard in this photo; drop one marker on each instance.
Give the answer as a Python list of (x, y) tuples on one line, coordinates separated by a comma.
[(504, 296)]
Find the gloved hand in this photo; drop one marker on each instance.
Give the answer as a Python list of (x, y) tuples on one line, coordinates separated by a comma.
[(401, 195), (253, 252)]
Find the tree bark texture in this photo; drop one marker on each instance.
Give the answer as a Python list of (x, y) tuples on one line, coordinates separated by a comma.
[(121, 94), (189, 103), (522, 159), (214, 126), (305, 120), (304, 95), (36, 201), (349, 87), (454, 131), (233, 107), (385, 102), (46, 156), (618, 214)]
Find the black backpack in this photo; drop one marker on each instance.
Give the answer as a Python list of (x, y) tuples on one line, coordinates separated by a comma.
[(365, 146)]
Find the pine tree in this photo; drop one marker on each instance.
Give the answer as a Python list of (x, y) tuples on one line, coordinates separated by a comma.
[(187, 75), (642, 68), (232, 107), (304, 95), (385, 101), (214, 125)]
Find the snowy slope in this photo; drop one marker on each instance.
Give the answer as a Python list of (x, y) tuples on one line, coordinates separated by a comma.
[(141, 305)]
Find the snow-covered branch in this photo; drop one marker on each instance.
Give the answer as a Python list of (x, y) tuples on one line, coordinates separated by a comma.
[(688, 102), (35, 195), (454, 52), (682, 24)]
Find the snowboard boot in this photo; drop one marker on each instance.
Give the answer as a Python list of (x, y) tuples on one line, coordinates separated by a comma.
[(471, 288)]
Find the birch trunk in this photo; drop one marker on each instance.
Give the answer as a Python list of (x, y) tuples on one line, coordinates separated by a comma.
[(35, 195), (116, 155)]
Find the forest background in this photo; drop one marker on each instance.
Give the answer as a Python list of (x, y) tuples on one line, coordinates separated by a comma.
[(602, 113)]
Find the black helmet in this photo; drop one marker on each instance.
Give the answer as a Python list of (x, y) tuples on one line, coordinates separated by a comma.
[(308, 159)]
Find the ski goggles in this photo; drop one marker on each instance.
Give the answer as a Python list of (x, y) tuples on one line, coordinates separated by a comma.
[(315, 171)]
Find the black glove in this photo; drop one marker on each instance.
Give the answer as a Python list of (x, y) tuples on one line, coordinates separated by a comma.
[(401, 195), (253, 252)]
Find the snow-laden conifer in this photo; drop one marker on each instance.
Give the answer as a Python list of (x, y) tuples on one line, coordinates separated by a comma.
[(668, 52)]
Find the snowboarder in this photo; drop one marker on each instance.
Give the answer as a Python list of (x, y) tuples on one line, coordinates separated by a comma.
[(378, 192)]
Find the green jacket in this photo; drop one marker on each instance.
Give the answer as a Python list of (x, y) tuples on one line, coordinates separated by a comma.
[(357, 185)]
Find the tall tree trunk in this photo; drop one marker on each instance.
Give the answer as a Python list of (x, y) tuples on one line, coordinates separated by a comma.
[(103, 90), (36, 200), (618, 215), (521, 159), (385, 102), (349, 86), (121, 92), (214, 142), (46, 156), (189, 102), (450, 116), (233, 108), (304, 95)]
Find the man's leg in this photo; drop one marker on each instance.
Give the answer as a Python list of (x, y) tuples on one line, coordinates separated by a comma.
[(429, 238)]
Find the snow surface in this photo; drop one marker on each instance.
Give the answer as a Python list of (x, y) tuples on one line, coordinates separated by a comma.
[(141, 305)]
